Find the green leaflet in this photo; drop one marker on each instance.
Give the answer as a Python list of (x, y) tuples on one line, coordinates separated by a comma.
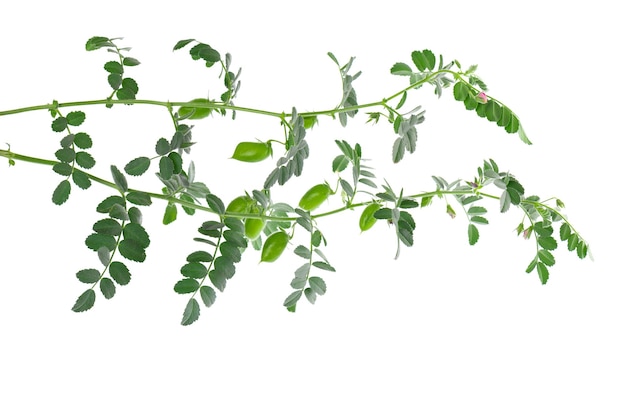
[(186, 286), (107, 287), (472, 233), (75, 118), (194, 270), (88, 276), (81, 179), (108, 227), (132, 250), (317, 285), (85, 301), (119, 272), (61, 193), (139, 198), (191, 313), (208, 295), (137, 166), (119, 178)]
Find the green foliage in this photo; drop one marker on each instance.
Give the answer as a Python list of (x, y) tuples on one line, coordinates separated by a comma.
[(61, 193), (303, 282), (255, 220), (297, 150), (137, 166), (69, 157), (191, 313), (348, 99), (119, 272), (218, 266), (85, 301), (123, 87)]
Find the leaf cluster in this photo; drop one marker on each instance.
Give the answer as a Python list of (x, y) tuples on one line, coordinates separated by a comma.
[(72, 155), (210, 56), (124, 87), (227, 242), (297, 150), (120, 232), (396, 216), (348, 97), (303, 282), (492, 109), (254, 219), (425, 62), (361, 174), (543, 224)]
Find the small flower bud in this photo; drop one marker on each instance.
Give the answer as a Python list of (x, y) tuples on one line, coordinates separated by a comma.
[(481, 97)]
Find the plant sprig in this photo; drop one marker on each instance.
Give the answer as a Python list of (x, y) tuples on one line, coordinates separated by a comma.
[(254, 220)]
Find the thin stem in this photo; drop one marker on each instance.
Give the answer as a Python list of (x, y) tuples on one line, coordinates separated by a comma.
[(172, 199), (220, 105)]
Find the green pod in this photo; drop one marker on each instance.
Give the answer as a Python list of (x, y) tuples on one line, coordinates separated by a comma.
[(310, 121), (252, 151), (367, 219), (240, 204), (253, 228), (195, 113), (274, 246), (314, 197)]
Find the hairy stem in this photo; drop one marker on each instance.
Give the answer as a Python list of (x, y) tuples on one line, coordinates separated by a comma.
[(221, 105), (24, 158)]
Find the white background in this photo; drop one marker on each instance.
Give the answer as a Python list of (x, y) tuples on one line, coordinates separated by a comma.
[(445, 326)]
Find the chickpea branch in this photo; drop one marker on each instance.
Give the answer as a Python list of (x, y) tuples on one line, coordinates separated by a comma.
[(254, 219)]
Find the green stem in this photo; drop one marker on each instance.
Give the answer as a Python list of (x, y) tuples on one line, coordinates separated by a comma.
[(24, 158), (220, 105)]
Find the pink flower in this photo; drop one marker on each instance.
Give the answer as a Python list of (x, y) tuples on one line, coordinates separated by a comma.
[(481, 97)]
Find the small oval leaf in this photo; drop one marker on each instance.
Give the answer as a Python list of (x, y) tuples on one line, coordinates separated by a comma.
[(137, 166), (62, 192), (85, 301)]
